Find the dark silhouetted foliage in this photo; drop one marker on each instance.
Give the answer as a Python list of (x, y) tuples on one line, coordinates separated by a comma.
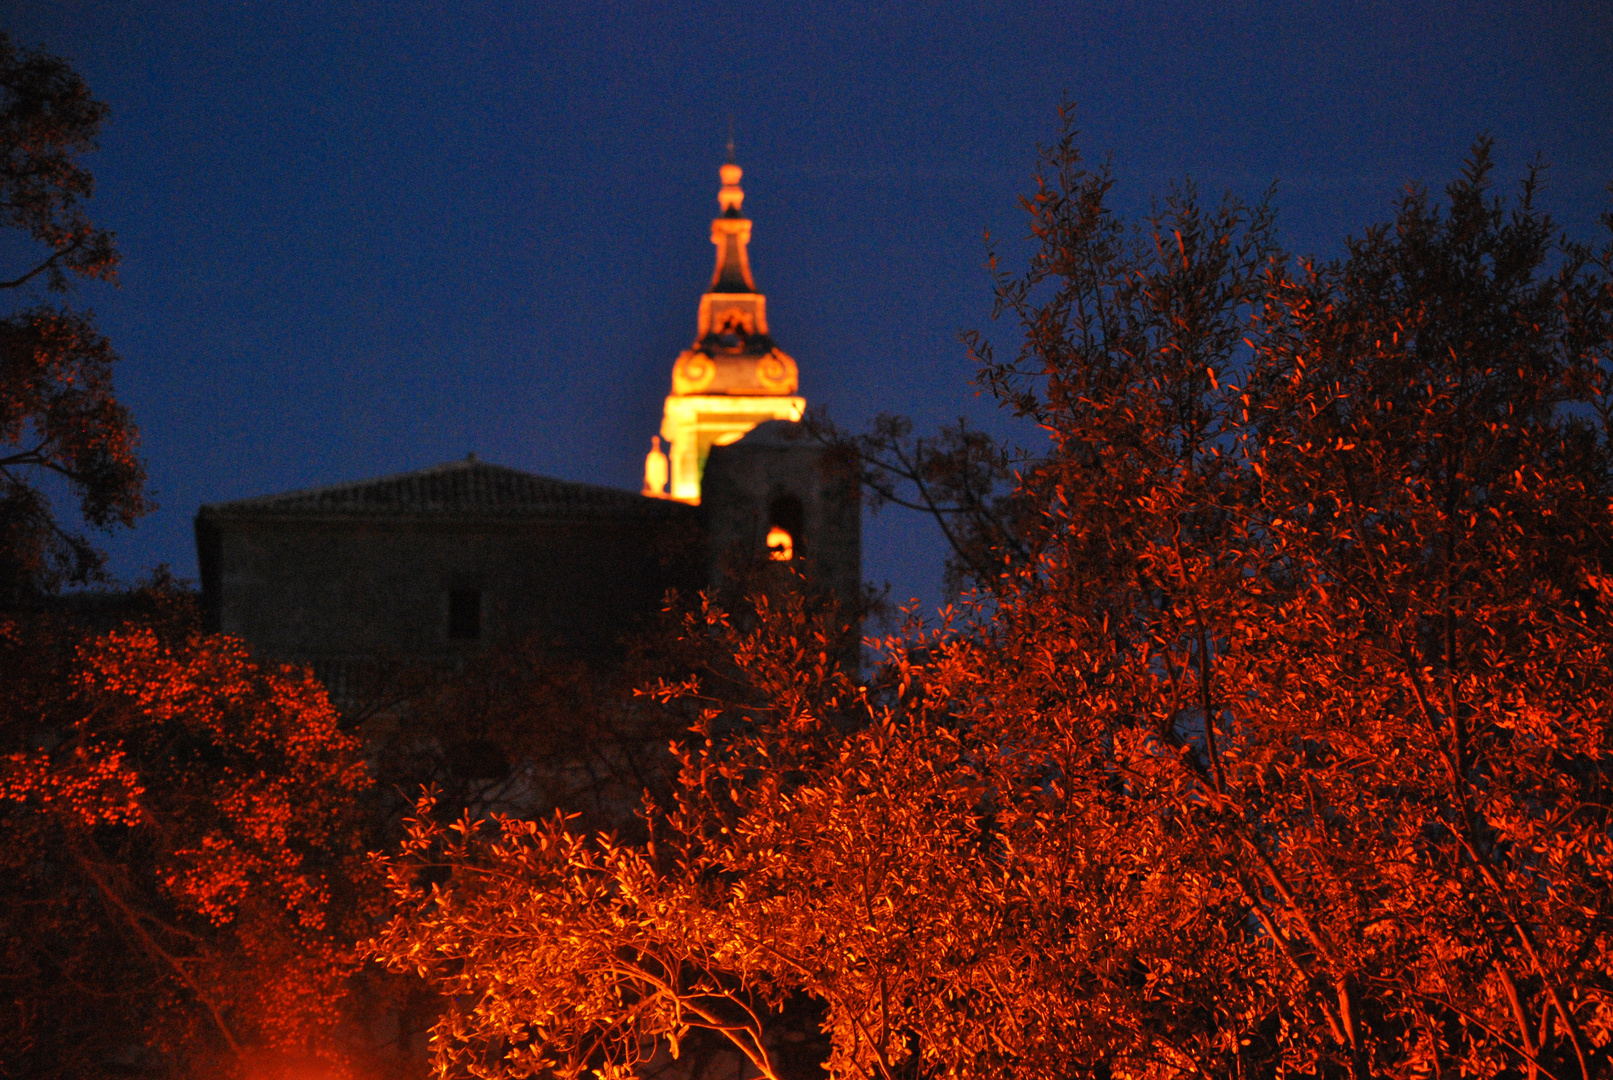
[(59, 418)]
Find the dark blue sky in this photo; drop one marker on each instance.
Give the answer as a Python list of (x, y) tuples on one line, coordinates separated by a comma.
[(364, 238)]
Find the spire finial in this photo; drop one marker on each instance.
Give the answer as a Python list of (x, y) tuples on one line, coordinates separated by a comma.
[(730, 197)]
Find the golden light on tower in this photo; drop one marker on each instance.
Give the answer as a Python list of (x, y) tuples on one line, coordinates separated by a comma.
[(733, 377)]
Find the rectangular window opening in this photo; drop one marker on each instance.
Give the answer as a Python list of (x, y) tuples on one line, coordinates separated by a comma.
[(465, 614)]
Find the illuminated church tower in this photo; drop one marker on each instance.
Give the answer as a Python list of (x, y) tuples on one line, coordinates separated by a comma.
[(425, 567), (733, 377)]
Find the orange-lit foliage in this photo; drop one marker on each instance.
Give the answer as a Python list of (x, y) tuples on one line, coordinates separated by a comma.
[(1278, 744), (181, 845), (180, 830)]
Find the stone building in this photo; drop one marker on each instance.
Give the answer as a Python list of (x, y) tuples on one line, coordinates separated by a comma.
[(431, 563)]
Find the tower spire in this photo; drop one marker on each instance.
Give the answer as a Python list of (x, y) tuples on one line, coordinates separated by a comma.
[(733, 377), (731, 233)]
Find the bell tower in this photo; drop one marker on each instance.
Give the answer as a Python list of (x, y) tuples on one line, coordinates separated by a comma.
[(733, 377)]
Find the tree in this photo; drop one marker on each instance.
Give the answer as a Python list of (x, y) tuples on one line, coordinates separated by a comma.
[(523, 728), (182, 835), (598, 975), (58, 415), (961, 477), (1277, 741), (182, 831)]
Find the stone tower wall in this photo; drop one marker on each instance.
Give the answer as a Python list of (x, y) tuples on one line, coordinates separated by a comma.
[(774, 473)]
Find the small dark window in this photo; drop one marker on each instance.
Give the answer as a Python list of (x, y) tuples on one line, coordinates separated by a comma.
[(465, 614)]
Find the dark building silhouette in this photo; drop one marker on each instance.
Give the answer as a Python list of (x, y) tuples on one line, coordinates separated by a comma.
[(427, 565), (430, 563)]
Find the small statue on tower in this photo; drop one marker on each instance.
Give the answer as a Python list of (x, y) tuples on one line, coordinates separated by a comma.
[(656, 469)]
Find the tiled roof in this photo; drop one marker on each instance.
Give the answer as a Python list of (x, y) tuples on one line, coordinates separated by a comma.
[(459, 488)]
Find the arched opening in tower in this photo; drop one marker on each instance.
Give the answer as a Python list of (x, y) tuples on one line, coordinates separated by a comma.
[(784, 519)]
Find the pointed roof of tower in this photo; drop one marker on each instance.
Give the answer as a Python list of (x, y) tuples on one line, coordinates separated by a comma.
[(738, 354), (731, 233), (733, 376)]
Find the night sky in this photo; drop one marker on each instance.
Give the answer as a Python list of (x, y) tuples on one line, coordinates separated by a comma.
[(364, 238)]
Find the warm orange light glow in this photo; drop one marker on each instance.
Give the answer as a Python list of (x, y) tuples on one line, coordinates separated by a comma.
[(733, 376), (656, 469), (780, 545), (1167, 766)]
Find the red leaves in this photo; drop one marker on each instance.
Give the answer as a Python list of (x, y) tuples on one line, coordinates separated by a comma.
[(1281, 747), (91, 789), (186, 833)]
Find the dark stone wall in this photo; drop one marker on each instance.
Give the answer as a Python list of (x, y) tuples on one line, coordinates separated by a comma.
[(318, 589), (347, 589), (777, 473)]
